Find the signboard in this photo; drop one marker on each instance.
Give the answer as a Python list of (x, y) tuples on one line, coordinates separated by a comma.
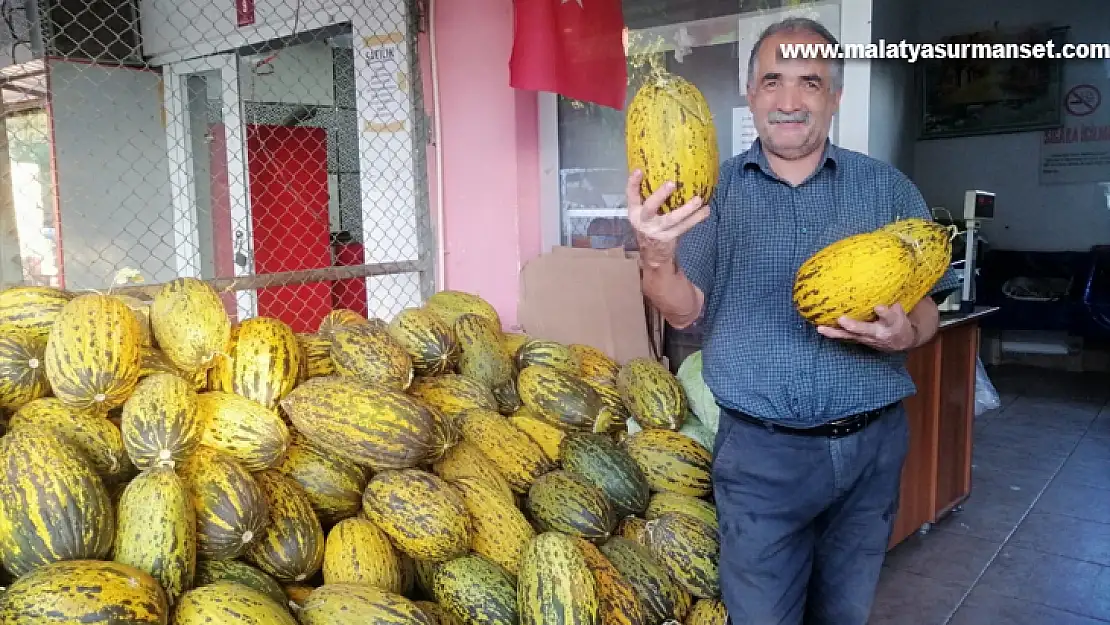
[(387, 169), (244, 12), (744, 133), (1079, 151)]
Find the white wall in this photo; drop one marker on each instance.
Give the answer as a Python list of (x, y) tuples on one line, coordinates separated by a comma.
[(174, 30), (891, 123), (113, 182), (1029, 216), (300, 74)]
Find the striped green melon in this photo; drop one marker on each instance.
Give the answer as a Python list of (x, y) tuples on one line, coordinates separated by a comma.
[(245, 430), (437, 614), (429, 341), (333, 484), (315, 356), (547, 435), (32, 308), (708, 612), (547, 353), (445, 434), (652, 394), (359, 604), (511, 341), (561, 398), (22, 374), (161, 421), (453, 393), (598, 460), (84, 591), (474, 589), (664, 502), (156, 530), (466, 459), (421, 512), (620, 605), (339, 318), (659, 595), (632, 528), (614, 413), (262, 363), (370, 425), (231, 508), (555, 585), (499, 530), (230, 602), (190, 324), (153, 361), (687, 549), (368, 352), (449, 305), (94, 436), (291, 548), (672, 462), (594, 364), (53, 505), (93, 353), (515, 455), (239, 572), (358, 552), (564, 502), (508, 397), (481, 356)]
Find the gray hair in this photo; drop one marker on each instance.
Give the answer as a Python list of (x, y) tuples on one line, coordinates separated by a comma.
[(795, 25)]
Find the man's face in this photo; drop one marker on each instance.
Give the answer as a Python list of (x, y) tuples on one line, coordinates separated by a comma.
[(792, 100)]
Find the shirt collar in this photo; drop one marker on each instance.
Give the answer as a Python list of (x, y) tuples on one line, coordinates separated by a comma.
[(756, 157)]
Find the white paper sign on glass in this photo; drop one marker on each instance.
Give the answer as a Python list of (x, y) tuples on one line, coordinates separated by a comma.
[(743, 129)]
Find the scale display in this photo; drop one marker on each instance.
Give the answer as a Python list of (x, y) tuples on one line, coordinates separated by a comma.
[(978, 205)]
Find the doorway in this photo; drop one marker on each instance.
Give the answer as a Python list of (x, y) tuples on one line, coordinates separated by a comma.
[(266, 173)]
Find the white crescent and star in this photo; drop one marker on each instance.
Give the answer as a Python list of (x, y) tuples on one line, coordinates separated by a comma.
[(579, 2)]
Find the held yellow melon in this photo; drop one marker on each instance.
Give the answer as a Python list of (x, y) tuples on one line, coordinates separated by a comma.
[(852, 276), (932, 244), (670, 135)]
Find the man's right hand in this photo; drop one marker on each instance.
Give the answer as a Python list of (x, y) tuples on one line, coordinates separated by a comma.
[(657, 234)]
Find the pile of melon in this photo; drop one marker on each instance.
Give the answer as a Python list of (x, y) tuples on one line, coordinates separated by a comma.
[(163, 464)]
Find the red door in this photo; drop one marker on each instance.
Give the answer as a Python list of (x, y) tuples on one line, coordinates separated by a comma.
[(288, 174)]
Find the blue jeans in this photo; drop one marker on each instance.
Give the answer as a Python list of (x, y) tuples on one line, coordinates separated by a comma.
[(805, 521)]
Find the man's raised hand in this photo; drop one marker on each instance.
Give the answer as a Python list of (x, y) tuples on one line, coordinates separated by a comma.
[(658, 234)]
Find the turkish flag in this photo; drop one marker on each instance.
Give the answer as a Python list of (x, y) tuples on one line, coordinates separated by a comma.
[(574, 48)]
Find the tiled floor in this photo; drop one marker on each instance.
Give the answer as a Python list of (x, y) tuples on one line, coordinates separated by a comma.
[(1032, 544)]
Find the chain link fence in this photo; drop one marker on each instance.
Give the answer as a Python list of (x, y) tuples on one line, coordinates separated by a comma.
[(273, 147)]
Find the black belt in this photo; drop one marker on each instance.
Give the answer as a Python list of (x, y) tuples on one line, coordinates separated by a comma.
[(833, 429)]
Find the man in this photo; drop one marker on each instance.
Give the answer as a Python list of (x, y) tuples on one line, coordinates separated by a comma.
[(812, 437)]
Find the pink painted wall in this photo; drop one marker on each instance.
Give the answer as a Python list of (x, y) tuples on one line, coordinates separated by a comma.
[(490, 143)]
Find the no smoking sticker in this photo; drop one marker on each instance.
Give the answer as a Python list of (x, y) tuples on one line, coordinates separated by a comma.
[(1082, 100)]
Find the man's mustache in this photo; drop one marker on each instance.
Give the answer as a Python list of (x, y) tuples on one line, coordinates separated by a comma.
[(779, 117)]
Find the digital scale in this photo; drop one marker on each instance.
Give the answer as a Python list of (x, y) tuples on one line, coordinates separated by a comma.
[(978, 207)]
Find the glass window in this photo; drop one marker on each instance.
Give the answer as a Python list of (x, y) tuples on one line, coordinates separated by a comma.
[(700, 41)]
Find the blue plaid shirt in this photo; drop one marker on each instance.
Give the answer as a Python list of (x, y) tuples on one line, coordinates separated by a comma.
[(759, 356)]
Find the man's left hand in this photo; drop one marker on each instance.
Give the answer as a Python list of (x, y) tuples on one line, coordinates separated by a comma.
[(891, 332)]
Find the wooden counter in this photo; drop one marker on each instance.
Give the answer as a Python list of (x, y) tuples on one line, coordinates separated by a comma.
[(937, 474)]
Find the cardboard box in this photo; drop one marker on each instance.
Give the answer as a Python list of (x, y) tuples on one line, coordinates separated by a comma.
[(590, 296)]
